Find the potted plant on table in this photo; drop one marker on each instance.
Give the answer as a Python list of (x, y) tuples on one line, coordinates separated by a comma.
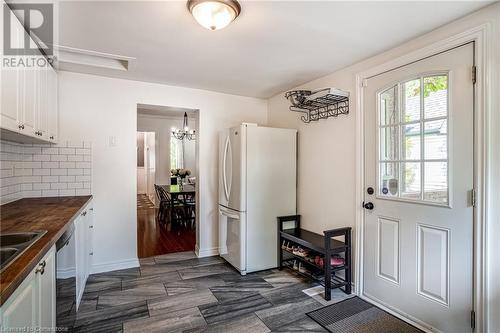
[(180, 174)]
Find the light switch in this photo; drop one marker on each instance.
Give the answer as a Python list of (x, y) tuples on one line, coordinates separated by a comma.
[(112, 141)]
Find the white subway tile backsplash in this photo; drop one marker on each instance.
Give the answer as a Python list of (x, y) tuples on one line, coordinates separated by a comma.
[(66, 179), (27, 187), (41, 172), (58, 186), (32, 179), (82, 178), (50, 151), (82, 151), (50, 193), (41, 186), (50, 165), (4, 173), (59, 158), (83, 165), (75, 172), (83, 192), (50, 179), (58, 172), (67, 165), (35, 170), (44, 158), (68, 192), (76, 158), (32, 194), (32, 150), (67, 151), (33, 165)]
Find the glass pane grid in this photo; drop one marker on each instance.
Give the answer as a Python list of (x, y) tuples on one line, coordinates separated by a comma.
[(413, 149)]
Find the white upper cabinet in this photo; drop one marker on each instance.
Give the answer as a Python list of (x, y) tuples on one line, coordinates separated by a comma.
[(11, 84), (29, 95), (53, 106)]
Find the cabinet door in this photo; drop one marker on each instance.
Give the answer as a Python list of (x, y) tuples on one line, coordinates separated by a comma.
[(42, 108), (10, 83), (79, 259), (20, 310), (53, 105), (29, 102), (47, 290)]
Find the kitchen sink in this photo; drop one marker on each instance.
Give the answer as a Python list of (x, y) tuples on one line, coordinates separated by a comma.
[(16, 239), (12, 245)]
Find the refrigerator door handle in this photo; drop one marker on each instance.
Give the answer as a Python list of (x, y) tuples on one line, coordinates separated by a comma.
[(224, 174), (224, 212)]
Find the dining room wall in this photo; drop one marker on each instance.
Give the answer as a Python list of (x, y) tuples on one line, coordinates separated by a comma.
[(162, 126), (104, 111)]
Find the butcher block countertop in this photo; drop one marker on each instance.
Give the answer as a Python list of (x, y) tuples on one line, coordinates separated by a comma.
[(35, 214)]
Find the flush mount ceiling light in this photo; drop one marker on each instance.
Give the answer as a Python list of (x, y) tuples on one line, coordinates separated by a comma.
[(214, 14)]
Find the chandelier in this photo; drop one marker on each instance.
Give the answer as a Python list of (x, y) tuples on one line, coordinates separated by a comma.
[(185, 132)]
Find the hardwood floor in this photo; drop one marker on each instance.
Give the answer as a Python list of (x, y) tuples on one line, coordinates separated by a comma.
[(153, 239), (181, 293)]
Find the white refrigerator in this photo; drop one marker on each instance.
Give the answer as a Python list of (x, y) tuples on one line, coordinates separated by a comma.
[(257, 183)]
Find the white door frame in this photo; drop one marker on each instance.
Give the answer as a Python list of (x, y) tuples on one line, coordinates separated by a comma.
[(481, 36)]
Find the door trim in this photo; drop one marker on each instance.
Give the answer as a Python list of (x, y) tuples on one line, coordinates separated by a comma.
[(483, 101)]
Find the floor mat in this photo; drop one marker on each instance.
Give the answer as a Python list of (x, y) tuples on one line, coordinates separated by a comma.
[(357, 316)]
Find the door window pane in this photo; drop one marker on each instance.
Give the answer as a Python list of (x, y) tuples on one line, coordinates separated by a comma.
[(389, 142), (410, 183), (389, 183), (436, 182), (436, 139), (411, 101), (387, 104), (411, 141), (436, 96)]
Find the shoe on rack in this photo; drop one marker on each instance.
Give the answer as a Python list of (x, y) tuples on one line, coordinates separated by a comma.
[(295, 265), (302, 269), (337, 261)]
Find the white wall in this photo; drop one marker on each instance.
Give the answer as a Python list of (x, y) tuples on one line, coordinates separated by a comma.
[(162, 126), (97, 108), (327, 163)]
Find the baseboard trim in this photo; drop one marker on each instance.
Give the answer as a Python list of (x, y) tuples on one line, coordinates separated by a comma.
[(200, 253), (115, 265), (64, 273)]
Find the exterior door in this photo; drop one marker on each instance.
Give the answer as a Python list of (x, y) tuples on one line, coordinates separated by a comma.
[(418, 225)]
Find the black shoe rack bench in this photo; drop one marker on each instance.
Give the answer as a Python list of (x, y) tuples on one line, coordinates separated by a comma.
[(322, 245)]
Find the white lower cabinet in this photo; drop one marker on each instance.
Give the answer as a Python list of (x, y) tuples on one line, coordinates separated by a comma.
[(33, 304)]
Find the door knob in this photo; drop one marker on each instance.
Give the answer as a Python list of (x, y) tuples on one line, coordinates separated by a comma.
[(368, 205)]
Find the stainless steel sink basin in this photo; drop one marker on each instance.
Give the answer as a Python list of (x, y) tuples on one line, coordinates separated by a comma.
[(7, 253), (16, 239), (12, 245)]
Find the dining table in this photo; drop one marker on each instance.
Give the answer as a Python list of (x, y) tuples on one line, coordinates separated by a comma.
[(175, 191)]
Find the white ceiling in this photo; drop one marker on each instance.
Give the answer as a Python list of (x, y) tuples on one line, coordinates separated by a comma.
[(269, 48)]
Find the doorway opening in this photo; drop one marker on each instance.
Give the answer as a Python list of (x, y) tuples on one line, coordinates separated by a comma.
[(166, 180)]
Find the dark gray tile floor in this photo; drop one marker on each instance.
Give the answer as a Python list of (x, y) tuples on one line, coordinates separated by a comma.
[(181, 293)]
